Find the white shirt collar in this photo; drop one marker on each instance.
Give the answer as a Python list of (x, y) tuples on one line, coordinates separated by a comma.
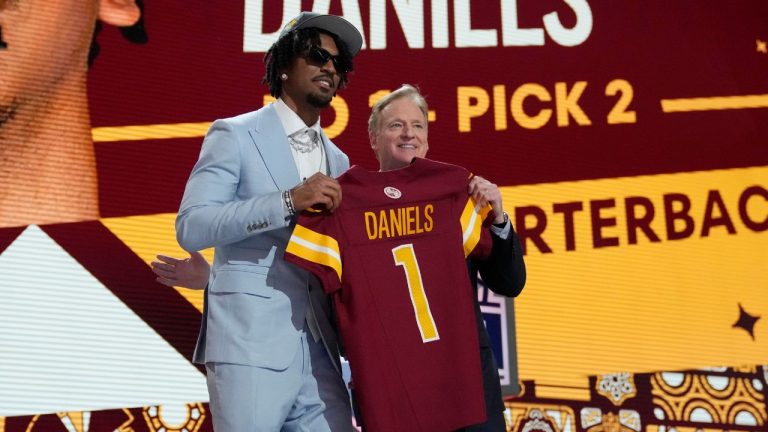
[(291, 121)]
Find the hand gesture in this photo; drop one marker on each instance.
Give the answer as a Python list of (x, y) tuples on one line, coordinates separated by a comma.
[(485, 192), (191, 272), (317, 190)]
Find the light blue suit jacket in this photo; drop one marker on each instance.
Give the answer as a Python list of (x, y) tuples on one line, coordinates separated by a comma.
[(255, 303)]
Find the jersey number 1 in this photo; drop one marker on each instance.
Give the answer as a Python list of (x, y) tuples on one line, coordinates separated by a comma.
[(406, 257)]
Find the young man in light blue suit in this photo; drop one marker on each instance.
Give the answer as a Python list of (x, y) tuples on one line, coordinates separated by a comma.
[(266, 337)]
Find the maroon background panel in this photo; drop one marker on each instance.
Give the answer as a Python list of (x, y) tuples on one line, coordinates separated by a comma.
[(127, 276), (193, 69)]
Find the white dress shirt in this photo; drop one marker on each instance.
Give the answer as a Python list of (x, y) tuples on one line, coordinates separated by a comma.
[(306, 163)]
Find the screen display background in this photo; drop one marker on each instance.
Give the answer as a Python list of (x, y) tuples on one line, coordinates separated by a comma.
[(629, 139)]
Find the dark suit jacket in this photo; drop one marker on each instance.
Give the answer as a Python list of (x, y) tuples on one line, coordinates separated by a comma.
[(504, 273)]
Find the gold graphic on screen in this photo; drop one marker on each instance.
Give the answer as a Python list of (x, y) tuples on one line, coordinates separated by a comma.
[(195, 416), (762, 46), (540, 417), (708, 398), (616, 387)]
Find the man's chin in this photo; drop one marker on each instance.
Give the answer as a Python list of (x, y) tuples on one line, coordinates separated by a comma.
[(319, 100)]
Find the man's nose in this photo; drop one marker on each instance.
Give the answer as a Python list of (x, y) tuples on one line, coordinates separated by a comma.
[(329, 66), (407, 131)]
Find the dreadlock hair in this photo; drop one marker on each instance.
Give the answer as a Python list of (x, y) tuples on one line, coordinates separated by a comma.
[(296, 43)]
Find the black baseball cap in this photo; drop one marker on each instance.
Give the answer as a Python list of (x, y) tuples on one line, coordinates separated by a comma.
[(330, 23)]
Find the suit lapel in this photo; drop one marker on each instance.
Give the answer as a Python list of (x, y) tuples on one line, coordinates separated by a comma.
[(333, 163), (272, 144)]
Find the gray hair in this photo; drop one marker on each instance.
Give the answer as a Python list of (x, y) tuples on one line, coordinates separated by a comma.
[(405, 91)]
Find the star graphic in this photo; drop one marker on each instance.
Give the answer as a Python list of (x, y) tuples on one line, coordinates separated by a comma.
[(746, 321), (762, 46)]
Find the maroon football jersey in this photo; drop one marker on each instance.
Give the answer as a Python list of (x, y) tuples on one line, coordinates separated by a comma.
[(393, 258)]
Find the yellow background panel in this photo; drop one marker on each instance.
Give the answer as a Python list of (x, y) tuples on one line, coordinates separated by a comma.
[(649, 306), (151, 235)]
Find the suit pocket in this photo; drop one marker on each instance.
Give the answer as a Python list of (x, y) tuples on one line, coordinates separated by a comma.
[(242, 277)]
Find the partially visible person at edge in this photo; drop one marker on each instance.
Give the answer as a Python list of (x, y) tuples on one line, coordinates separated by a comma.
[(398, 132), (269, 349), (47, 160)]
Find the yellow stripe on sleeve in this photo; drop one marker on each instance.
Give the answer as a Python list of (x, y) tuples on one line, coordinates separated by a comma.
[(472, 218), (315, 247)]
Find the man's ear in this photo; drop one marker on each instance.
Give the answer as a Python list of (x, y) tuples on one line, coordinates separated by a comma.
[(374, 145), (120, 13)]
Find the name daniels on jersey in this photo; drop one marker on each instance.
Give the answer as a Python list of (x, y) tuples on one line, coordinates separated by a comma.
[(399, 222)]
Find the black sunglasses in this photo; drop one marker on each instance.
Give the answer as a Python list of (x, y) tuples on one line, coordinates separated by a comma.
[(320, 57)]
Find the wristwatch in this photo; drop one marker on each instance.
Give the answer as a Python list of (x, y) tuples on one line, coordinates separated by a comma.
[(504, 223)]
